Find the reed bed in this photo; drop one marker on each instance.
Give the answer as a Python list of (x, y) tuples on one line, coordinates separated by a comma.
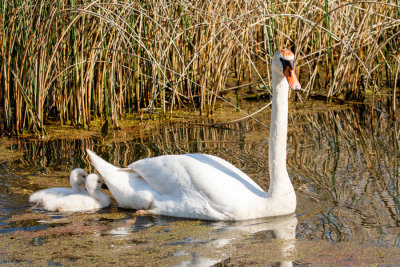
[(74, 61)]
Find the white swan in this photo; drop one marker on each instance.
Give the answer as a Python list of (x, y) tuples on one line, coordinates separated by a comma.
[(207, 187), (77, 178), (93, 199)]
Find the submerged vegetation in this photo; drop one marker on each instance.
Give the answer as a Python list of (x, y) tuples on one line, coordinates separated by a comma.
[(76, 60)]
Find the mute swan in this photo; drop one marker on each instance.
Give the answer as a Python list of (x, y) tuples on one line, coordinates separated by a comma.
[(207, 187), (77, 178), (91, 200)]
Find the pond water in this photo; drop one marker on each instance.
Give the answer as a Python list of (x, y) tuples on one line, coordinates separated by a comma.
[(344, 164)]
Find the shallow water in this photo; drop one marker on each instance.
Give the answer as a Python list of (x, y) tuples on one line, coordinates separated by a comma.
[(344, 165)]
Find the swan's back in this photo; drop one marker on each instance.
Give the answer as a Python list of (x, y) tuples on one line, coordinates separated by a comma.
[(190, 169)]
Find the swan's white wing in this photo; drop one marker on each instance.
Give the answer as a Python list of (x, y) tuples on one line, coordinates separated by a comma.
[(208, 175), (180, 170)]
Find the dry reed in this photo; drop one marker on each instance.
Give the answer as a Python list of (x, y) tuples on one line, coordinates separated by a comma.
[(75, 60)]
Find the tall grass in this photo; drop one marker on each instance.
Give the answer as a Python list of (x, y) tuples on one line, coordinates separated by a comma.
[(75, 60)]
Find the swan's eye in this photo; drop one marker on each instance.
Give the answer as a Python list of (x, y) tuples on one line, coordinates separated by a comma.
[(287, 63)]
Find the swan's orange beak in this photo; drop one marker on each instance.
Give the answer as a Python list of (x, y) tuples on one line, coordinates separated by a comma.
[(292, 78)]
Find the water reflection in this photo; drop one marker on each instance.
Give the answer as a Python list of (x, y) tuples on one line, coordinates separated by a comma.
[(344, 165), (353, 172), (126, 226), (281, 228), (227, 233)]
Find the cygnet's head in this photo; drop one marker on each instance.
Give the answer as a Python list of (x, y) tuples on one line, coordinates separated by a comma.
[(93, 182), (77, 177), (283, 66)]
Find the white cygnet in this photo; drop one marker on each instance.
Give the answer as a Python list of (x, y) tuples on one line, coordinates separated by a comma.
[(77, 178), (93, 199)]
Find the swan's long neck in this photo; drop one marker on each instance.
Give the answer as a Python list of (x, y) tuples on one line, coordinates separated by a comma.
[(280, 184)]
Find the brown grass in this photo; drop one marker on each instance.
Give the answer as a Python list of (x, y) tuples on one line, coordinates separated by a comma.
[(73, 61)]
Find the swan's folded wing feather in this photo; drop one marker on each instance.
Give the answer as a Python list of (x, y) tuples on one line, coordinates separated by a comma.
[(164, 174), (170, 174)]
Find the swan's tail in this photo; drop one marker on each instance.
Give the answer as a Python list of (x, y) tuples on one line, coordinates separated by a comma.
[(104, 168)]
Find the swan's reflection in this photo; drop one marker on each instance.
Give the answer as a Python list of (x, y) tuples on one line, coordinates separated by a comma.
[(224, 235), (281, 228), (134, 224)]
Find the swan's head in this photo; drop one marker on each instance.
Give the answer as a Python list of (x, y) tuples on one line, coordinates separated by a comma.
[(77, 177), (93, 182), (283, 66)]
